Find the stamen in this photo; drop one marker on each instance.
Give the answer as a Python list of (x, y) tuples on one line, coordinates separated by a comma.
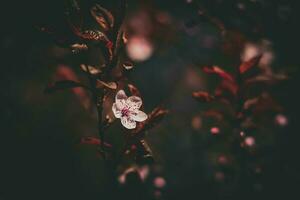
[(125, 112)]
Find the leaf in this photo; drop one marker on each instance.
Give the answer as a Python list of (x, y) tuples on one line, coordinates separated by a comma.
[(220, 72), (75, 48), (224, 94), (97, 36), (128, 65), (90, 69), (155, 117), (232, 87), (157, 114), (272, 78), (110, 85), (133, 90), (93, 141), (245, 66), (203, 96), (104, 18), (250, 102), (265, 104), (60, 85), (248, 123), (94, 35), (214, 114)]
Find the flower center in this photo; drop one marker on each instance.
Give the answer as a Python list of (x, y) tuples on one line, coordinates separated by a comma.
[(125, 112)]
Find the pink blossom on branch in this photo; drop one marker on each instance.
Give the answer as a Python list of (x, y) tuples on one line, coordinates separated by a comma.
[(127, 109)]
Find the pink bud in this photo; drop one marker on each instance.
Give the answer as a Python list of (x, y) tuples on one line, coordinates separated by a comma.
[(281, 120), (215, 130), (159, 182), (250, 141)]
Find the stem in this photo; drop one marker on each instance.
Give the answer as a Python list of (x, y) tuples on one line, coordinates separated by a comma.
[(239, 97), (99, 104), (98, 100)]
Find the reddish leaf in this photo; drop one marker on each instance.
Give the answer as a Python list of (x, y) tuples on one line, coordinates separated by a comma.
[(203, 96), (245, 66), (104, 18), (267, 78), (250, 102), (156, 115), (133, 90), (66, 73), (214, 114), (93, 141), (77, 47), (220, 72), (266, 103), (153, 119), (60, 85), (232, 87)]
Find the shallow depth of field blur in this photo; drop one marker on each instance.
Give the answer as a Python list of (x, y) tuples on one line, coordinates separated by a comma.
[(170, 41)]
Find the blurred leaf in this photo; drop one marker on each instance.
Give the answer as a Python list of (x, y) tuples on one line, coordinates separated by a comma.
[(90, 69), (220, 72), (203, 96), (93, 141), (268, 78), (104, 18), (248, 123), (110, 85), (60, 85), (245, 66), (232, 87), (267, 103), (224, 94), (250, 102), (214, 114)]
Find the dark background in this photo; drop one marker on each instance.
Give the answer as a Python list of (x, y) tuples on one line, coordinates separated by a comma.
[(38, 157)]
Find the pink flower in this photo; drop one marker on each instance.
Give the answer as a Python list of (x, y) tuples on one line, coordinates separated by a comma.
[(127, 109)]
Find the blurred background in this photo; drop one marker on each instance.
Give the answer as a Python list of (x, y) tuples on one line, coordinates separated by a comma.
[(170, 41)]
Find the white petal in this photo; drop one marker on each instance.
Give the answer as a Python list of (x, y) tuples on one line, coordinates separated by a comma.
[(134, 103), (138, 116), (128, 123), (117, 112), (120, 99), (121, 96)]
